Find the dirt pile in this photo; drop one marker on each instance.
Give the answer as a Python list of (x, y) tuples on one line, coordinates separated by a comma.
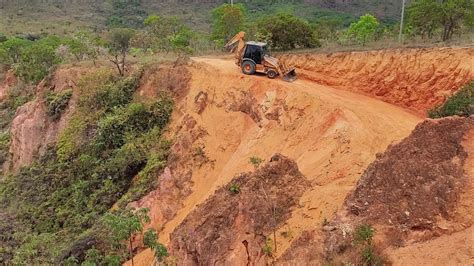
[(413, 192), (417, 79), (231, 227)]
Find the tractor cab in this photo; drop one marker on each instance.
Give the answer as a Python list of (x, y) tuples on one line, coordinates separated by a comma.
[(255, 51)]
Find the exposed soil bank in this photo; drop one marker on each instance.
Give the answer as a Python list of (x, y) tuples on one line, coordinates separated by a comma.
[(417, 79)]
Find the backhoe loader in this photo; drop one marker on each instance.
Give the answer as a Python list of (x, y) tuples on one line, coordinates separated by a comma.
[(254, 57)]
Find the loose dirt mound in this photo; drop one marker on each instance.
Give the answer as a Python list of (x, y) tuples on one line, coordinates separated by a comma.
[(414, 191), (232, 227), (417, 79)]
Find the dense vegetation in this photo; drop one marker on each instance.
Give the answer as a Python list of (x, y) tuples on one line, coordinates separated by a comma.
[(461, 103), (61, 197)]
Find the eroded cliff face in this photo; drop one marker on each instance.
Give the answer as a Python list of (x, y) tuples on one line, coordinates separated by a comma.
[(9, 80), (32, 130), (415, 79)]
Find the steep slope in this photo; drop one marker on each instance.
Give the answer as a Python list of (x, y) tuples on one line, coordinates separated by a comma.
[(417, 195), (416, 79), (331, 134)]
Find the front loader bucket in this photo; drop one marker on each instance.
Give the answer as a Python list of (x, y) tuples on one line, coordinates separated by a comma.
[(290, 76)]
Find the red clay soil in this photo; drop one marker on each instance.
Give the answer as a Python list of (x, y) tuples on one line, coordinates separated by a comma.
[(411, 192), (417, 79), (231, 228)]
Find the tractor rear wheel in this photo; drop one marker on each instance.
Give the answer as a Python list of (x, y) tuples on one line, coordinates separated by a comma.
[(272, 74), (248, 68)]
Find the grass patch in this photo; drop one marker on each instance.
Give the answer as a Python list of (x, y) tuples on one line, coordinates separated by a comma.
[(461, 104)]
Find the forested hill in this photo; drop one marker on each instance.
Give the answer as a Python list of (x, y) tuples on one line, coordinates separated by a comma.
[(62, 16)]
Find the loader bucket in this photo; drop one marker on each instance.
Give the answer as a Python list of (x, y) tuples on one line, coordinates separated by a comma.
[(290, 76)]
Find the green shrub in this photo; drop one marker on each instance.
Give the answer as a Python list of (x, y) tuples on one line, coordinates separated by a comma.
[(364, 234), (234, 188), (364, 29), (57, 102), (285, 31), (36, 61), (149, 240), (461, 103), (255, 161), (4, 146), (267, 249), (369, 256)]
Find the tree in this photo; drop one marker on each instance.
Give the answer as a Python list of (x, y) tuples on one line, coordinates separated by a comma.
[(453, 14), (286, 31), (425, 16), (36, 61), (13, 48), (119, 45), (364, 29), (124, 225), (181, 41), (77, 48), (168, 34), (227, 20), (326, 28), (149, 240)]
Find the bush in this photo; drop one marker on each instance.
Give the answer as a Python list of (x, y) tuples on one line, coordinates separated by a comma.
[(149, 240), (57, 102), (227, 20), (286, 31), (461, 103), (36, 61), (364, 234), (267, 249), (234, 188), (364, 29), (255, 161)]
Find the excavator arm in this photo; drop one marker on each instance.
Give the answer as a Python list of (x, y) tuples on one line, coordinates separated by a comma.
[(236, 45)]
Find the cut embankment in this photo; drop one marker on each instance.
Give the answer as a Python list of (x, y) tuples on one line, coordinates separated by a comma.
[(416, 79)]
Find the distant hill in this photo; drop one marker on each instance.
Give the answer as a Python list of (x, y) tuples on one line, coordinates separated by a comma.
[(63, 16)]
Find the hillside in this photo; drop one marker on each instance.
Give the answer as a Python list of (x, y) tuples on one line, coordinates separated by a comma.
[(235, 168), (68, 16)]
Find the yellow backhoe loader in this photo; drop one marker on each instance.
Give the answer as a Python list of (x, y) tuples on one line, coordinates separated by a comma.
[(254, 57)]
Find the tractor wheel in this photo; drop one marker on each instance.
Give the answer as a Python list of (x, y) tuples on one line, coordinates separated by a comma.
[(248, 67), (272, 74)]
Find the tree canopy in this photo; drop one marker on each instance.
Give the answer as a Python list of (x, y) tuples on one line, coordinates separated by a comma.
[(364, 29), (286, 31), (227, 20)]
